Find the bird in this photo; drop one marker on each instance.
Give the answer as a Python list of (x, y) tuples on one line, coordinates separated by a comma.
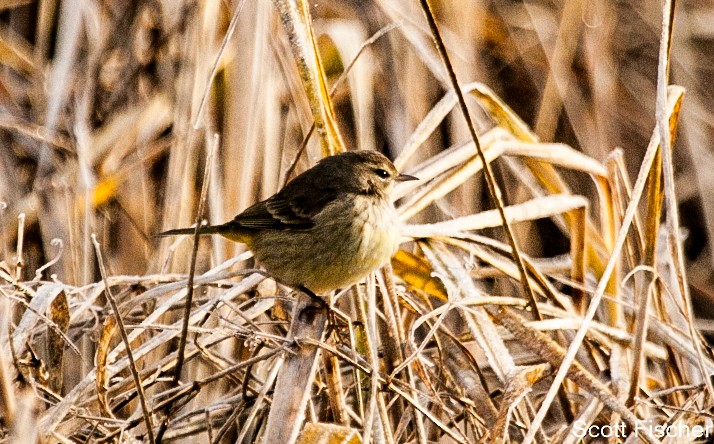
[(326, 229)]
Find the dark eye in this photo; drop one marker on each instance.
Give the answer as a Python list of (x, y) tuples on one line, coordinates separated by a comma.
[(382, 173)]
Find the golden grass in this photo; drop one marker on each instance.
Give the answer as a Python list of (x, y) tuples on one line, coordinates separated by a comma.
[(551, 301)]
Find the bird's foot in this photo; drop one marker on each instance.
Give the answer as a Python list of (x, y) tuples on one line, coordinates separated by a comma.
[(333, 317)]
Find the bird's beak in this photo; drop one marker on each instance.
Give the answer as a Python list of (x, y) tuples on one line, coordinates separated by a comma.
[(405, 178)]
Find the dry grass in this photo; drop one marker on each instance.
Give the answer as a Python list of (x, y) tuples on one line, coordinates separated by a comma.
[(550, 292)]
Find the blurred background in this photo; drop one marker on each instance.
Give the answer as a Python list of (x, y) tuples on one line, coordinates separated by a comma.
[(101, 132)]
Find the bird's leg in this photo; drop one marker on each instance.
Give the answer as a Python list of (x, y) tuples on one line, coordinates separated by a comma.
[(323, 304), (320, 301)]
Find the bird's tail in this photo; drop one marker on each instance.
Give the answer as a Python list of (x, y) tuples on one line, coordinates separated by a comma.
[(179, 231)]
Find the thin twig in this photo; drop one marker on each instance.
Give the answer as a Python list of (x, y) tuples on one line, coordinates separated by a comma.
[(19, 262), (367, 43), (125, 338), (493, 187), (596, 298), (7, 392), (673, 238), (192, 267), (214, 69)]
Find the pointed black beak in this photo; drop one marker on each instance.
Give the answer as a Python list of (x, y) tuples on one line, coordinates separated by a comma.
[(405, 178)]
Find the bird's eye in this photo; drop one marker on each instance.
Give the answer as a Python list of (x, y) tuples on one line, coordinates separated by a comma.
[(382, 173)]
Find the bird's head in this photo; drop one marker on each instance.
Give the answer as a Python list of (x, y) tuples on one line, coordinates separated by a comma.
[(363, 172)]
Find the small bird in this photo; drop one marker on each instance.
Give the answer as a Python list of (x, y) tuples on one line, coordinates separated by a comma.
[(326, 229)]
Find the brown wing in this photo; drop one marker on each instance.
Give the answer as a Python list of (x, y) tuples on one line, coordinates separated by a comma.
[(293, 207), (272, 216)]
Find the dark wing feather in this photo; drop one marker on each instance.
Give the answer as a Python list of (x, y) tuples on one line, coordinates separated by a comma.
[(293, 207), (258, 217)]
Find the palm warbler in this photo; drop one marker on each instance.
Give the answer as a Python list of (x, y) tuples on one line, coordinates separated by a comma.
[(326, 229)]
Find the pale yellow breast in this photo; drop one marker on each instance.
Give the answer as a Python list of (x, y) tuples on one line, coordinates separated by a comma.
[(351, 238), (379, 225)]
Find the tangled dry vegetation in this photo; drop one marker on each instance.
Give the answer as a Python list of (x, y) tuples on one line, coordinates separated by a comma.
[(120, 119)]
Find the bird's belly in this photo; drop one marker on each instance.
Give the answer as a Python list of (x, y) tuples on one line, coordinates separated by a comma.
[(342, 250)]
